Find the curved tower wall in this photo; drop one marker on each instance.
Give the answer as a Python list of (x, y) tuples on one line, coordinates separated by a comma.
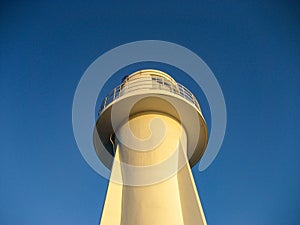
[(151, 145)]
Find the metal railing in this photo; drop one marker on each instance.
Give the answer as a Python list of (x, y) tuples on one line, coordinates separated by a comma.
[(155, 83)]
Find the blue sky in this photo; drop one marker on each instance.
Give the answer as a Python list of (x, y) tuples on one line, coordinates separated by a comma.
[(253, 48)]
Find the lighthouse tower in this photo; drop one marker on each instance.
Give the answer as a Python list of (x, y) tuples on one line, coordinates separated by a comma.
[(150, 133)]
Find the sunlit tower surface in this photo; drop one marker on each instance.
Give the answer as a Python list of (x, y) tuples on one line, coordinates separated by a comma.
[(149, 133)]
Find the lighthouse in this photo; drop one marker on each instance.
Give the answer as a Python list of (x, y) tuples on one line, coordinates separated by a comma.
[(149, 133)]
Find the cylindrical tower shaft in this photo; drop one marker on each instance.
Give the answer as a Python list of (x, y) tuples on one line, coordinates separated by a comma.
[(171, 201)]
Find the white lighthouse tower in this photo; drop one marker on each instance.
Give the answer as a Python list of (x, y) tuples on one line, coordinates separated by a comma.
[(149, 133)]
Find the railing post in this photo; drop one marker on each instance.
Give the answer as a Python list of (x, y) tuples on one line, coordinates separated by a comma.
[(196, 102), (104, 105)]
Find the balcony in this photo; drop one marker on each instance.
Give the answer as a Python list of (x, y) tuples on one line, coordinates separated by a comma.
[(149, 81)]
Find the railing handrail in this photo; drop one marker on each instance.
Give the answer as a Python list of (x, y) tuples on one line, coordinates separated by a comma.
[(165, 85)]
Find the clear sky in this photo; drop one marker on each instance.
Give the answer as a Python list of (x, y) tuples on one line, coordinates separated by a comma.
[(253, 48)]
